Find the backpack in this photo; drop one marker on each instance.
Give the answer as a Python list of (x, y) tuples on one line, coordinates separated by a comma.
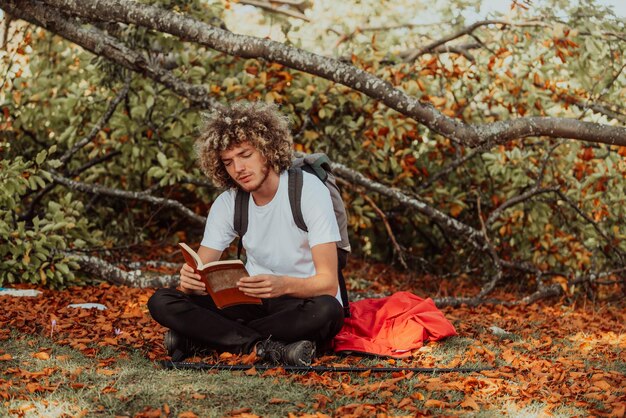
[(318, 165)]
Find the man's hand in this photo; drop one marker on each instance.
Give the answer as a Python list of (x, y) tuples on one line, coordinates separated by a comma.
[(263, 286), (190, 282)]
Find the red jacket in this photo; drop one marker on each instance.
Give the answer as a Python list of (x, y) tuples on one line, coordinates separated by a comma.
[(392, 326)]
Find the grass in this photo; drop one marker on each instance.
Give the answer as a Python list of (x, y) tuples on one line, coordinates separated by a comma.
[(113, 385), (539, 371), (534, 410), (126, 386)]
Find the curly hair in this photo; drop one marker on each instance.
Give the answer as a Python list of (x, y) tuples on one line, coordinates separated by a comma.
[(260, 124)]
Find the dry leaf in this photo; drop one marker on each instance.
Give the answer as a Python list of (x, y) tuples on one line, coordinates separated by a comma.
[(34, 387), (106, 372), (404, 403), (42, 355), (187, 414), (239, 411), (434, 403), (469, 402)]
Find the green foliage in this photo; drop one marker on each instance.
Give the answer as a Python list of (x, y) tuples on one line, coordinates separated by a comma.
[(34, 250), (549, 69)]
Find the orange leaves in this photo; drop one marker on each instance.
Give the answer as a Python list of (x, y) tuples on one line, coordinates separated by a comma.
[(437, 101), (587, 154), (469, 402), (321, 401), (106, 372), (149, 412), (187, 414), (251, 372), (510, 357), (559, 53), (455, 210), (42, 355), (34, 387), (558, 353), (383, 131), (430, 67)]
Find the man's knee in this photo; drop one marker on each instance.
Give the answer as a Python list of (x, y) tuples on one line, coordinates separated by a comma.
[(328, 317), (157, 304), (328, 309)]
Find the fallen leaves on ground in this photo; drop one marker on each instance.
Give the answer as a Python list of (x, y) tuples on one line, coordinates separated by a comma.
[(552, 353)]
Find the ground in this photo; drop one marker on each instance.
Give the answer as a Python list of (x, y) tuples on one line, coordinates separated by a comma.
[(559, 357)]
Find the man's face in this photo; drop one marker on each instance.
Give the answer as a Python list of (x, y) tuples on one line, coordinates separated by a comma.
[(246, 166)]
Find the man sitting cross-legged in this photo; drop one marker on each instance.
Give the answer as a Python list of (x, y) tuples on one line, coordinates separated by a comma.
[(249, 146)]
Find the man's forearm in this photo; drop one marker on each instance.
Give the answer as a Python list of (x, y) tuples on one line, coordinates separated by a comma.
[(316, 285)]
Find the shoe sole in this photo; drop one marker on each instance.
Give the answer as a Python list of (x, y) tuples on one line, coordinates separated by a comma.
[(310, 350)]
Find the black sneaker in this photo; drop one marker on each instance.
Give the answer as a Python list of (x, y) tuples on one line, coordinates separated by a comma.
[(178, 347), (299, 353)]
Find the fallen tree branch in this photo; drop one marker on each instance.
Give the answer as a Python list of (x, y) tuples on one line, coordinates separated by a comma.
[(519, 199), (569, 99), (412, 54), (392, 237), (594, 224), (107, 271), (269, 6), (102, 44), (473, 236), (99, 125), (451, 167), (603, 110), (41, 193), (134, 265), (544, 293), (141, 196), (189, 29), (488, 288), (461, 49), (5, 24), (382, 28)]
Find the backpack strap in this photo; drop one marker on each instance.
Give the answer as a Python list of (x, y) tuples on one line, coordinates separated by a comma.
[(295, 184), (295, 196), (342, 259), (241, 217)]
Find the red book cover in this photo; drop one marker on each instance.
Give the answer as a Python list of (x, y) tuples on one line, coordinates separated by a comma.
[(220, 279)]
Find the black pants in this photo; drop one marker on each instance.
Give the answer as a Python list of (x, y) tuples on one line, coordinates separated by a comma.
[(238, 328)]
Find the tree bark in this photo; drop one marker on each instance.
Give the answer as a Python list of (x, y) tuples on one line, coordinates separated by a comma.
[(189, 29), (143, 196), (473, 236), (102, 44), (411, 55), (107, 271)]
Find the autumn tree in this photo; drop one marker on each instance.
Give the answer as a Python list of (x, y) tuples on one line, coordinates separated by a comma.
[(492, 148)]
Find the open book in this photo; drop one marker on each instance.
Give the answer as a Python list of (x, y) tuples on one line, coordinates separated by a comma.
[(220, 278)]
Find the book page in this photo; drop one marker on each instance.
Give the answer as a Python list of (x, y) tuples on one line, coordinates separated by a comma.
[(225, 278), (189, 252)]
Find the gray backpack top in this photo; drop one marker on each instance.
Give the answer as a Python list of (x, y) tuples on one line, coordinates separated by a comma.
[(318, 165)]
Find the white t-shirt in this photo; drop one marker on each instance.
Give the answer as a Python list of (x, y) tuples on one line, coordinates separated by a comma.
[(274, 244)]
